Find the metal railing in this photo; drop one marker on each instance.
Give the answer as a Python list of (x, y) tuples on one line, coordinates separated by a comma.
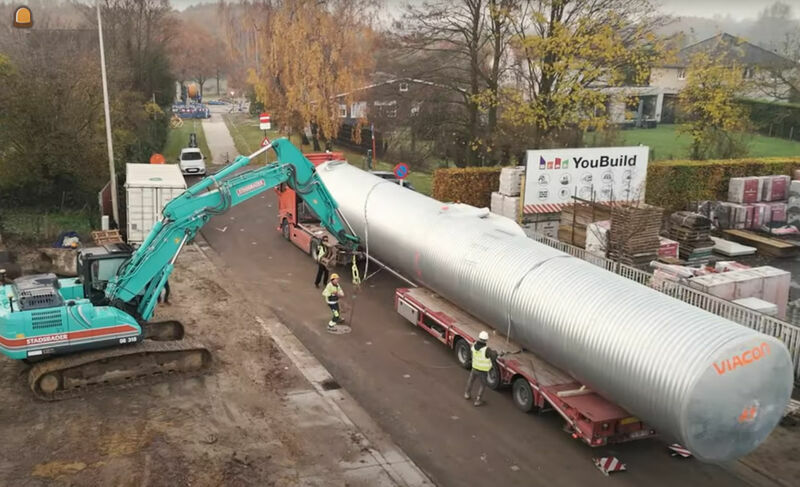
[(789, 333)]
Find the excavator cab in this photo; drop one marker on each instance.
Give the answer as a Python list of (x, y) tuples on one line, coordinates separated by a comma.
[(97, 265)]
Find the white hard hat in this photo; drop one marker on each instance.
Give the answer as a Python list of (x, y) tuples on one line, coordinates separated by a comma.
[(483, 336)]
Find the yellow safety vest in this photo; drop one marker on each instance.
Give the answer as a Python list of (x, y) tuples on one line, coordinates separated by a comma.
[(320, 252), (480, 361)]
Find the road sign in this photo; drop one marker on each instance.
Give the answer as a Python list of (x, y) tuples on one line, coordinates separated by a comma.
[(265, 142), (401, 170), (264, 121)]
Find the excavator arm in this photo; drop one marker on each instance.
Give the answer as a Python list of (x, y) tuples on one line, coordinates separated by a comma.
[(139, 282)]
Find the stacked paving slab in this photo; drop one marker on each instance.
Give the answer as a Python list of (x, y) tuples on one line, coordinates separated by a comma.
[(691, 231), (634, 233)]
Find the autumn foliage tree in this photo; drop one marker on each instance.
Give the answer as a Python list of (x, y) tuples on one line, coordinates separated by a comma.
[(195, 54), (303, 54), (565, 51), (715, 119)]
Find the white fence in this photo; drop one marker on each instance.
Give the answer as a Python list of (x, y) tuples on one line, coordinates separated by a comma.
[(789, 333)]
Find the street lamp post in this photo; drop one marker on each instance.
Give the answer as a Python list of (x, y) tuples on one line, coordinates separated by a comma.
[(111, 168)]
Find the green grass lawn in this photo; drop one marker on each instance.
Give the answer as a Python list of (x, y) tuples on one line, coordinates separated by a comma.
[(666, 142), (178, 138), (247, 137)]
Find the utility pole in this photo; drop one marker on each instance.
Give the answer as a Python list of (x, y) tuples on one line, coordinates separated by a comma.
[(111, 169)]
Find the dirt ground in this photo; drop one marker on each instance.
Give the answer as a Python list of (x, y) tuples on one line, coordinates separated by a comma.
[(252, 421)]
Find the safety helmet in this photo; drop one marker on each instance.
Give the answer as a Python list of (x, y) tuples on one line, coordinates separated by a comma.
[(483, 336), (334, 276)]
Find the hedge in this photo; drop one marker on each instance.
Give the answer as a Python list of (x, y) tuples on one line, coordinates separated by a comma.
[(470, 185), (673, 184)]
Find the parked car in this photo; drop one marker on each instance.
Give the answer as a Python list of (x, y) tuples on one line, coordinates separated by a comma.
[(389, 176), (191, 161)]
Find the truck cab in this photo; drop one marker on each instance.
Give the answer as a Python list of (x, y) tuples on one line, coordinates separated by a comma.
[(96, 265)]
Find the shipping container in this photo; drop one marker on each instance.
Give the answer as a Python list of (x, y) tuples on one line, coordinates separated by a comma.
[(149, 187)]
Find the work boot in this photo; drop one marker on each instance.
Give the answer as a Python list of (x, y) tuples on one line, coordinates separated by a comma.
[(331, 325), (478, 402), (466, 396)]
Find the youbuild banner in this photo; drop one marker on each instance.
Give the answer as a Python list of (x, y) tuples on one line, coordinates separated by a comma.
[(553, 177)]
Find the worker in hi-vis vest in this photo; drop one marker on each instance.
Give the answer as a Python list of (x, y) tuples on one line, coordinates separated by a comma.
[(481, 365), (322, 263), (333, 291)]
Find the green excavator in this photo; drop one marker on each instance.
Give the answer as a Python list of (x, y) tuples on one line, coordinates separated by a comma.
[(94, 330)]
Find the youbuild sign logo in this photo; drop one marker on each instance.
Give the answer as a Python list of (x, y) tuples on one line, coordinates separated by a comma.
[(597, 173)]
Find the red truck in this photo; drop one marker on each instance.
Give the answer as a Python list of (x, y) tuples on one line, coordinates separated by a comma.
[(296, 221), (535, 384)]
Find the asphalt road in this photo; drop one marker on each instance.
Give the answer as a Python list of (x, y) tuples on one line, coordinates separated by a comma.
[(413, 388)]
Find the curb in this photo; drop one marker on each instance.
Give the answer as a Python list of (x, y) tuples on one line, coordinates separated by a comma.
[(394, 461)]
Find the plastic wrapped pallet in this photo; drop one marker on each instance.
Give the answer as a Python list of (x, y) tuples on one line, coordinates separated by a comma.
[(511, 180), (761, 215), (744, 190), (497, 203), (668, 248), (775, 188), (511, 207), (775, 286), (758, 305), (777, 212), (719, 285), (793, 207)]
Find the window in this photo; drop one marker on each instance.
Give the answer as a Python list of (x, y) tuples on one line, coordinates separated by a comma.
[(342, 111), (358, 109), (387, 108), (403, 87), (682, 74)]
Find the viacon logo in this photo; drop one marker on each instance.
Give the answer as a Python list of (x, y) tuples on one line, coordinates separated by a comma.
[(557, 163)]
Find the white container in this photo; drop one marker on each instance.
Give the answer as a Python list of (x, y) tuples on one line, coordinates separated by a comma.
[(149, 187), (758, 305), (775, 287), (548, 229)]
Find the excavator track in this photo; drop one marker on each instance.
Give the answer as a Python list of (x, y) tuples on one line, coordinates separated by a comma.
[(122, 367)]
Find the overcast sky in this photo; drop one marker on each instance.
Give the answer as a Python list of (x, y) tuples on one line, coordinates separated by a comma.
[(738, 9)]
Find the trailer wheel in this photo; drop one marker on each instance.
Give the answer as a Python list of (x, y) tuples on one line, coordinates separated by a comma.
[(285, 229), (522, 394), (493, 379), (463, 353)]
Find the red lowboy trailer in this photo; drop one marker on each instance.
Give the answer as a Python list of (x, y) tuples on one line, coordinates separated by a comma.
[(536, 385)]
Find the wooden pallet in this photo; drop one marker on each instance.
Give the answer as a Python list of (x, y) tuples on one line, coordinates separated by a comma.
[(765, 245), (102, 237)]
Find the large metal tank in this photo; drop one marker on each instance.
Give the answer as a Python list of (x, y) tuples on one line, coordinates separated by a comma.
[(712, 385)]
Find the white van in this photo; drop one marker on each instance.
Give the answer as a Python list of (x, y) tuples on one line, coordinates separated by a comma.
[(192, 161)]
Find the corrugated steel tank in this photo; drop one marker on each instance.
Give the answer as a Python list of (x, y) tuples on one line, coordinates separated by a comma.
[(712, 385)]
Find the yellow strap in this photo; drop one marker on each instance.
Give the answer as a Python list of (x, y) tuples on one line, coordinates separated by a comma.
[(356, 277)]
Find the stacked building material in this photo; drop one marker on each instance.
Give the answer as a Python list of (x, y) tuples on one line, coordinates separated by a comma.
[(634, 234), (511, 180), (692, 230), (505, 201), (575, 219)]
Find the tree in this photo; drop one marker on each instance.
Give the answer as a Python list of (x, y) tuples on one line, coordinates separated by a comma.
[(565, 51), (305, 53), (465, 43), (195, 54), (715, 119)]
